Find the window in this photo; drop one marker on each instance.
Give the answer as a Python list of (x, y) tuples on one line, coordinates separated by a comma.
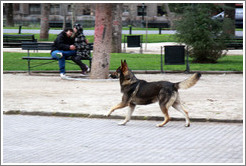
[(87, 11), (34, 8), (54, 9), (160, 11), (140, 10)]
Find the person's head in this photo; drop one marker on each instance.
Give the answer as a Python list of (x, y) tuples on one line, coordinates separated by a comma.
[(78, 28), (68, 31)]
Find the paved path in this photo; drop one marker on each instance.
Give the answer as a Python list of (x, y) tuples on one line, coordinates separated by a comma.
[(91, 32), (214, 97), (34, 139)]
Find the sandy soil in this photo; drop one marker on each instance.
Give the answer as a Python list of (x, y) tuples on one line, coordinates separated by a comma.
[(213, 97)]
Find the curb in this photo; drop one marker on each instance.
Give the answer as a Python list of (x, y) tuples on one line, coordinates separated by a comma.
[(82, 115)]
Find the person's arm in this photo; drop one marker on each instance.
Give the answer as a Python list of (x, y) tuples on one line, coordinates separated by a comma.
[(61, 44)]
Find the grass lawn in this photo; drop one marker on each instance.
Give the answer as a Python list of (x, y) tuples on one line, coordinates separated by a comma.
[(13, 61)]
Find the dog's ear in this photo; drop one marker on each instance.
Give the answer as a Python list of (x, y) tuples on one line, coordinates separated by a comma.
[(124, 66), (122, 63)]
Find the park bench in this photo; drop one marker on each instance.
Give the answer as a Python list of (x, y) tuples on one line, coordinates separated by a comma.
[(159, 25), (234, 42), (58, 24), (43, 46), (14, 41)]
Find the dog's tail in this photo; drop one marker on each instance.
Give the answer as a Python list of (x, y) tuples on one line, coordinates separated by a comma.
[(189, 82)]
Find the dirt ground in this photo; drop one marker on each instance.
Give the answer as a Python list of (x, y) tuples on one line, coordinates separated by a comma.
[(215, 96)]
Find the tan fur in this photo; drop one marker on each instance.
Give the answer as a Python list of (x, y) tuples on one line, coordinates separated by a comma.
[(189, 82)]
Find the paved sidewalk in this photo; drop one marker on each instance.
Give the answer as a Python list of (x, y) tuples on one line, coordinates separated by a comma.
[(216, 97), (35, 139)]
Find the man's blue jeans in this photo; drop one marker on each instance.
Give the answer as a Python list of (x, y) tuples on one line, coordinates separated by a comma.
[(62, 60)]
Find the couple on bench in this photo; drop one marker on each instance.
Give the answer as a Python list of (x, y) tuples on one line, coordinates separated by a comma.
[(71, 42)]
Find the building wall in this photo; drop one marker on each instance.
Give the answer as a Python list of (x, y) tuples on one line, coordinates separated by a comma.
[(84, 11)]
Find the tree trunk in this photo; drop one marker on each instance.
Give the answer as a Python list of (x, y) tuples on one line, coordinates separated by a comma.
[(169, 15), (230, 15), (64, 9), (45, 12), (9, 15), (117, 27), (102, 41), (73, 14)]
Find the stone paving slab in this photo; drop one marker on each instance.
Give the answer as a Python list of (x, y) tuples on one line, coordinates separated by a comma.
[(36, 139)]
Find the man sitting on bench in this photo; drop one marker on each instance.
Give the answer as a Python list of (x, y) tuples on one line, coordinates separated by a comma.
[(63, 48)]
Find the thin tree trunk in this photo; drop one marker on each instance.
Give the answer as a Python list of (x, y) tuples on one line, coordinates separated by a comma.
[(169, 15), (102, 41), (73, 14), (9, 15), (117, 27), (45, 12), (64, 6), (230, 15)]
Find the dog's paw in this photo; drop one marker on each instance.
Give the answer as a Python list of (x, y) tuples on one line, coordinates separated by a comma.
[(107, 114), (187, 125), (122, 123), (159, 125)]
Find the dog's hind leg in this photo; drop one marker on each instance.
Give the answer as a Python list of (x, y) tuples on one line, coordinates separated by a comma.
[(129, 114), (118, 106), (166, 116), (178, 106), (165, 103)]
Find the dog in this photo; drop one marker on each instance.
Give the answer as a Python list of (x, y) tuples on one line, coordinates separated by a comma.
[(140, 92)]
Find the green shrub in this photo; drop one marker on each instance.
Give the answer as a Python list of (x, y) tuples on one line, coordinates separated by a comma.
[(201, 33)]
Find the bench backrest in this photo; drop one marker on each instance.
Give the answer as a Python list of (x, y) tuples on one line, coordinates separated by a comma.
[(18, 38), (36, 46), (41, 46)]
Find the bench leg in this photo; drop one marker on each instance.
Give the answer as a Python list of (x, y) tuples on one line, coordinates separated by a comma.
[(29, 67)]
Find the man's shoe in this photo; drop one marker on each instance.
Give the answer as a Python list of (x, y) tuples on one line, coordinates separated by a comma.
[(59, 55), (63, 76)]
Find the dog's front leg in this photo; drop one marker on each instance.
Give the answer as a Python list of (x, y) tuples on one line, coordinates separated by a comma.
[(128, 115), (121, 105)]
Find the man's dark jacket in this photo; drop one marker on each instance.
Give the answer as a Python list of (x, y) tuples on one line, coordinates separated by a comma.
[(62, 42)]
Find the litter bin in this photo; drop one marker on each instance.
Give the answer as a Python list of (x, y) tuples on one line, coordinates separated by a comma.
[(174, 55), (133, 41)]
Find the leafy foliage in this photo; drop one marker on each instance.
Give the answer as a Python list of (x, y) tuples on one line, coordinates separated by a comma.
[(201, 33)]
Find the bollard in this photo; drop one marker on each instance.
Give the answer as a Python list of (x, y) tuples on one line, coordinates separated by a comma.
[(20, 29), (159, 31), (130, 30)]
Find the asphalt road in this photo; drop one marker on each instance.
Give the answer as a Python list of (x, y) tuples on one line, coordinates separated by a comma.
[(39, 139), (91, 32)]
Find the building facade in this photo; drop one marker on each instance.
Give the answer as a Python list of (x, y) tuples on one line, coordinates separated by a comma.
[(133, 13)]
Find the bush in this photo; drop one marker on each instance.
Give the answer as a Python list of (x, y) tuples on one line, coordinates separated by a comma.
[(201, 33)]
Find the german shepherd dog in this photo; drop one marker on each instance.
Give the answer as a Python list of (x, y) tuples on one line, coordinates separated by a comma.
[(140, 92)]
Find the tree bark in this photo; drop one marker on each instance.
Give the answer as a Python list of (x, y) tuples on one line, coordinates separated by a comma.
[(45, 12), (9, 15), (230, 15), (169, 15), (64, 9), (102, 42), (73, 14), (117, 27)]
